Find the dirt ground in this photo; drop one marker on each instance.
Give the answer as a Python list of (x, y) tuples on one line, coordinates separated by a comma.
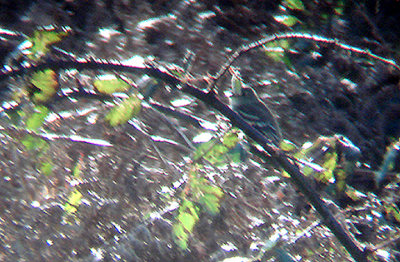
[(131, 190)]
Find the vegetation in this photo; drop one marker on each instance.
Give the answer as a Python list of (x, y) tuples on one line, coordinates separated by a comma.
[(118, 144)]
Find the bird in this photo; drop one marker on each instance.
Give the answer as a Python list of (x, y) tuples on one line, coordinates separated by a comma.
[(248, 105)]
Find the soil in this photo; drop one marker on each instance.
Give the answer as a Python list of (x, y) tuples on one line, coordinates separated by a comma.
[(131, 190)]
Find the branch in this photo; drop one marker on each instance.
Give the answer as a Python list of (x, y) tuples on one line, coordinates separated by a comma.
[(296, 175), (210, 99), (316, 38), (83, 64)]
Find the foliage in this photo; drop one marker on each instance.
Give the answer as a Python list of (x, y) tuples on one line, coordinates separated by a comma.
[(46, 83), (36, 120), (75, 196), (220, 152), (42, 39), (185, 222), (278, 51), (109, 84), (124, 111), (327, 163), (123, 182), (199, 196), (46, 168), (294, 4), (74, 200)]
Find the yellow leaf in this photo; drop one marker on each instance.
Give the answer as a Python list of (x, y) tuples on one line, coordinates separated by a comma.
[(74, 200), (42, 39), (109, 84), (46, 83), (127, 109)]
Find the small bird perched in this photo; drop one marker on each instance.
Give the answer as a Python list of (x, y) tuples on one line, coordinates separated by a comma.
[(246, 103)]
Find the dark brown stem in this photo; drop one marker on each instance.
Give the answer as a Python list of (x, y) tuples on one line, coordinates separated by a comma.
[(210, 99)]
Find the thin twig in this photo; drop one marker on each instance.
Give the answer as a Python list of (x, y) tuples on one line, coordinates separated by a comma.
[(316, 38), (211, 100)]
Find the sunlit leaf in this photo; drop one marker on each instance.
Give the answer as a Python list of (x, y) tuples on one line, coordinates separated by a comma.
[(199, 193), (46, 168), (230, 139), (211, 203), (180, 236), (393, 211), (36, 120), (31, 143), (124, 111), (218, 152), (42, 39), (354, 194), (277, 51), (340, 180), (188, 221), (287, 145), (109, 84), (46, 83), (294, 4), (217, 191), (205, 148), (287, 20), (236, 82), (77, 170), (329, 167), (185, 222), (203, 192), (74, 200)]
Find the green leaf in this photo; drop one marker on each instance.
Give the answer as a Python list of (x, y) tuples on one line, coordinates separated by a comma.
[(31, 143), (211, 189), (127, 109), (42, 39), (211, 203), (210, 196), (287, 146), (109, 84), (393, 211), (46, 83), (203, 148), (218, 152), (188, 221), (36, 120), (236, 82), (74, 200), (230, 139), (294, 4), (77, 170), (329, 167), (277, 51), (203, 192), (185, 222), (180, 236), (287, 20), (339, 9), (46, 168)]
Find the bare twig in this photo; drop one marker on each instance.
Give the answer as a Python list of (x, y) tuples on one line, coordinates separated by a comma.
[(316, 38), (211, 100)]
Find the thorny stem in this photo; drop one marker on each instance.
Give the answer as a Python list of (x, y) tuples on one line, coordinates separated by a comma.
[(210, 99), (246, 48), (289, 166)]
